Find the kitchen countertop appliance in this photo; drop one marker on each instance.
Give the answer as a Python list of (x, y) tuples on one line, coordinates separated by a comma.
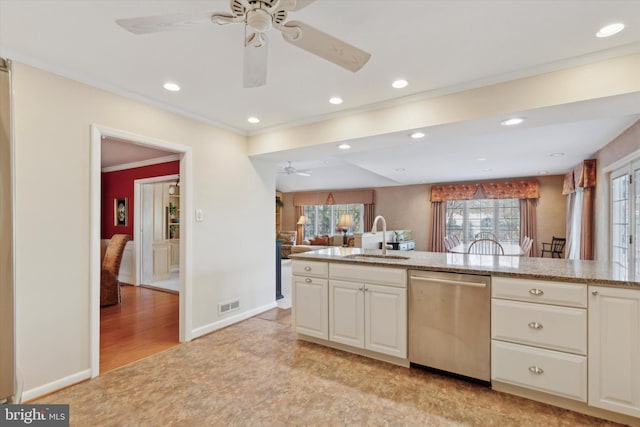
[(450, 322)]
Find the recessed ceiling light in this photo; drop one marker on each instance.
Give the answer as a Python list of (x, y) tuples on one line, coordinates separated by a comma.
[(335, 100), (400, 170), (172, 87), (610, 30), (543, 172), (416, 135), (253, 120), (344, 146), (512, 121), (400, 83), (487, 170), (481, 159), (556, 154)]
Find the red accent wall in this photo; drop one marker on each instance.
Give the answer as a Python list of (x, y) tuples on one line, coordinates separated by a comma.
[(119, 184)]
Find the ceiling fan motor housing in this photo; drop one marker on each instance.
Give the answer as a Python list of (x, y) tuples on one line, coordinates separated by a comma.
[(259, 16)]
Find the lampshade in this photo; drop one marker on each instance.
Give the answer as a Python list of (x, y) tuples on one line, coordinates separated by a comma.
[(345, 221), (302, 220)]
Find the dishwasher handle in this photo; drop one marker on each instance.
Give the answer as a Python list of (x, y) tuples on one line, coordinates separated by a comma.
[(448, 281)]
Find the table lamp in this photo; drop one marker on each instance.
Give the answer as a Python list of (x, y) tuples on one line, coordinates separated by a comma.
[(344, 222)]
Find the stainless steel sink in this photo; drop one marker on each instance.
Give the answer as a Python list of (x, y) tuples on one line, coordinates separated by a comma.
[(356, 256)]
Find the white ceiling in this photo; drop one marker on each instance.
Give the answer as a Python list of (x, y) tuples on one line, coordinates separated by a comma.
[(438, 46)]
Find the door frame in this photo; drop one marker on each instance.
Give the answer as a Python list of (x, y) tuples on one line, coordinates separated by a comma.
[(98, 132), (137, 216)]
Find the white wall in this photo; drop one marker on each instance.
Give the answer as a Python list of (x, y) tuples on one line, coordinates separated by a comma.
[(53, 116)]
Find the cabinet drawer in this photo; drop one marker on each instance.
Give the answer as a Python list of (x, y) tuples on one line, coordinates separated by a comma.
[(549, 371), (310, 268), (549, 326), (366, 274), (558, 293)]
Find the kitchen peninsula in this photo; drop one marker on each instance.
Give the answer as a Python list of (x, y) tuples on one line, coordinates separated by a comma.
[(562, 332)]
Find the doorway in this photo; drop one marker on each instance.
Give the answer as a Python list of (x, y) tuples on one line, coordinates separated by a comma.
[(184, 245)]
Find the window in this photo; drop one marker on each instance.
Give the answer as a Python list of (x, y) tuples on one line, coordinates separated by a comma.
[(625, 218), (466, 218), (323, 219)]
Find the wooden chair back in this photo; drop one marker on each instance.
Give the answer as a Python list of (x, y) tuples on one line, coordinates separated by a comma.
[(486, 247)]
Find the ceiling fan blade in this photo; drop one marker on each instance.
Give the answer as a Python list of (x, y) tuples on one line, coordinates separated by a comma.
[(255, 61), (154, 24), (325, 46)]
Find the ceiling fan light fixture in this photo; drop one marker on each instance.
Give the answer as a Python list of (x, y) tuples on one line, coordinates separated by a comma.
[(253, 120), (260, 20), (610, 30)]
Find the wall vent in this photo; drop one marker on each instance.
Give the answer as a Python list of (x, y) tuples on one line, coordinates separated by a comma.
[(228, 306)]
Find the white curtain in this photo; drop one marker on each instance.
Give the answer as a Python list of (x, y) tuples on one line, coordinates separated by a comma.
[(574, 223)]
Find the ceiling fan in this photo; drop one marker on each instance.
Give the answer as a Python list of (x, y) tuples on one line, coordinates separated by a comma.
[(259, 16), (291, 170)]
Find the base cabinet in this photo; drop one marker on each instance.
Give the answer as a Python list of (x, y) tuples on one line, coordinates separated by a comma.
[(310, 298), (368, 316), (614, 349)]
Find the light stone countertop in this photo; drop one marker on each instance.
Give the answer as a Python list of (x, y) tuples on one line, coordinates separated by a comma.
[(589, 272)]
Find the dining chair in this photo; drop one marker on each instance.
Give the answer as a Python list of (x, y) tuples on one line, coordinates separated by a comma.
[(455, 240), (485, 235), (109, 284), (555, 248), (486, 247), (448, 244)]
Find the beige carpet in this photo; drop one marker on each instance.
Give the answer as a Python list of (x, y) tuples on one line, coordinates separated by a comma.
[(256, 373)]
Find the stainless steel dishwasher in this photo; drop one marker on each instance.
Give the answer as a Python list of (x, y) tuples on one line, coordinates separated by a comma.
[(450, 322)]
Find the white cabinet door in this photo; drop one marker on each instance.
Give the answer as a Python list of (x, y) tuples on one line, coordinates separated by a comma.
[(161, 261), (614, 349), (311, 302), (346, 313), (386, 319)]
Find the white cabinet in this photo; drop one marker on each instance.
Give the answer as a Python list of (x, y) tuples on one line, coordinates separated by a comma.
[(539, 335), (310, 298), (368, 308), (614, 349)]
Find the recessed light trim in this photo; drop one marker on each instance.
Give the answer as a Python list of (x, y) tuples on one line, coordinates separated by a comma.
[(512, 121), (556, 154), (487, 170), (399, 84), (610, 30), (344, 146), (481, 159), (400, 169), (543, 172), (416, 135), (171, 86), (253, 120), (336, 100)]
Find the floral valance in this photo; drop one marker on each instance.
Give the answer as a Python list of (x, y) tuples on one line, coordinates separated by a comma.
[(582, 176), (366, 197), (518, 189)]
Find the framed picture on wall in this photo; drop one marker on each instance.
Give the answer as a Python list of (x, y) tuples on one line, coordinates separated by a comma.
[(120, 211)]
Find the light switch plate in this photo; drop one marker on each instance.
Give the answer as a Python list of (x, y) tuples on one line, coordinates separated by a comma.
[(199, 215)]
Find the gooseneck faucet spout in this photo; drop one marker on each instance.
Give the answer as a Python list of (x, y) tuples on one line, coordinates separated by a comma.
[(374, 230)]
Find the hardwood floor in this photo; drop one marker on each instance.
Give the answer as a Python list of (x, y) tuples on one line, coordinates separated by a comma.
[(144, 323)]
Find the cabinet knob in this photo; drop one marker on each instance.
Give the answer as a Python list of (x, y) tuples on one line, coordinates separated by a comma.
[(366, 289), (307, 268), (535, 370), (308, 280), (594, 293), (537, 292), (361, 289), (535, 325)]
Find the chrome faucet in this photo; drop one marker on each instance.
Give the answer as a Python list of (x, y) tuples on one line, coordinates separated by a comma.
[(374, 230)]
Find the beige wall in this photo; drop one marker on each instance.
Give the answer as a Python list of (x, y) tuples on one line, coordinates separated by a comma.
[(408, 207), (612, 156), (53, 116)]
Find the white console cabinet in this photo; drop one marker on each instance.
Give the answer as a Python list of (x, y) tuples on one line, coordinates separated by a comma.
[(368, 308), (310, 298), (614, 349)]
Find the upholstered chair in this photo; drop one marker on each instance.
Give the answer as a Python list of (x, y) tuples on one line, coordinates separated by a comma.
[(288, 240), (109, 284)]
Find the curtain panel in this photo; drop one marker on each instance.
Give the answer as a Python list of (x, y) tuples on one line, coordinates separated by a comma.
[(528, 223), (583, 177), (516, 189), (438, 226)]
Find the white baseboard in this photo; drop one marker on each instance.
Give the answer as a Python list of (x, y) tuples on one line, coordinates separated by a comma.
[(56, 385), (203, 330)]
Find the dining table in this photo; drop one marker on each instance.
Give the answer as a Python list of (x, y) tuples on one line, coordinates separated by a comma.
[(511, 249)]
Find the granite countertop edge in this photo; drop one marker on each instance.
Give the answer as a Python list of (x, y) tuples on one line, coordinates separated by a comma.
[(576, 271)]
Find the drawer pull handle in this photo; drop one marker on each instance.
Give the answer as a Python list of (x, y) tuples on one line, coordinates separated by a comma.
[(535, 325), (307, 268), (307, 280), (594, 293), (535, 291), (535, 370)]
